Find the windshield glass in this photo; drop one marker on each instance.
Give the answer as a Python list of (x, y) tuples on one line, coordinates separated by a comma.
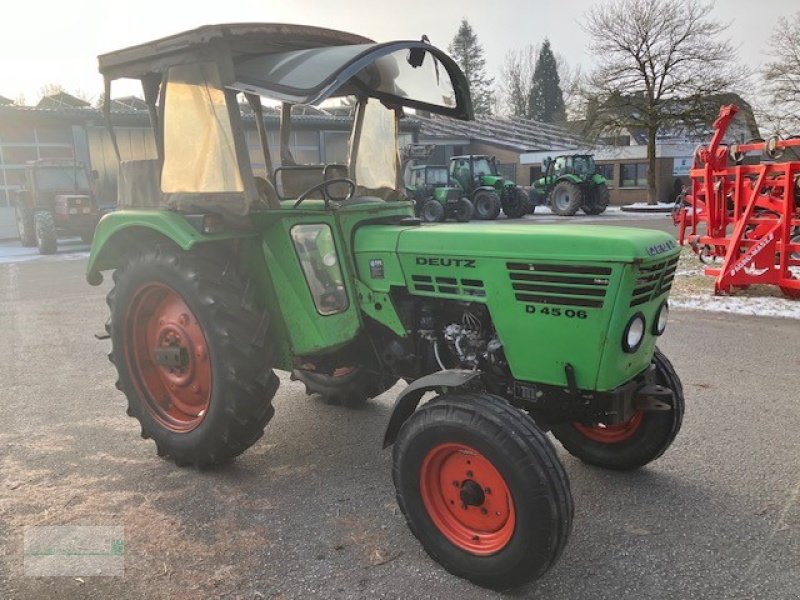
[(393, 74), (584, 165), (482, 166), (53, 179), (437, 176)]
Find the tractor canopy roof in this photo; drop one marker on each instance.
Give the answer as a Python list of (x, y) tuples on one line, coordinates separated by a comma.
[(304, 65)]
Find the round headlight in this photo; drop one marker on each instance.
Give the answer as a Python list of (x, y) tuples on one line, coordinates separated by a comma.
[(662, 316), (634, 333)]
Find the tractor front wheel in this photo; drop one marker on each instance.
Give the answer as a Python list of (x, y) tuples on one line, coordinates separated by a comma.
[(346, 386), (463, 210), (193, 353), (432, 211), (598, 202), (487, 205), (482, 489), (516, 203), (566, 198), (638, 441), (25, 227), (45, 227)]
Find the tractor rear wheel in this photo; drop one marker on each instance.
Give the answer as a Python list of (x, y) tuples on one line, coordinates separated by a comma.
[(346, 386), (516, 203), (193, 352), (463, 210), (482, 489), (566, 198), (640, 440), (598, 201), (432, 211), (45, 227), (25, 227), (487, 205)]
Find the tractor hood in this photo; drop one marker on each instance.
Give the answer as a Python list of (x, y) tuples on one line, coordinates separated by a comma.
[(590, 243)]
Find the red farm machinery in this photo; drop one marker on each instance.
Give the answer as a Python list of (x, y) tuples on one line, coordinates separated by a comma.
[(743, 220)]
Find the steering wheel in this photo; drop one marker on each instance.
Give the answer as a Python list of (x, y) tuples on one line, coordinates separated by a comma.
[(324, 187)]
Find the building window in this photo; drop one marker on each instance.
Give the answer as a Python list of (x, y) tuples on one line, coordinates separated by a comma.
[(633, 175), (607, 171)]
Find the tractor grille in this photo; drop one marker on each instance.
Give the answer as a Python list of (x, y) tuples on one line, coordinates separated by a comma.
[(449, 285), (567, 285), (653, 280)]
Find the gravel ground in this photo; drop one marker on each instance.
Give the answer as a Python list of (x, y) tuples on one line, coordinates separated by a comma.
[(309, 511)]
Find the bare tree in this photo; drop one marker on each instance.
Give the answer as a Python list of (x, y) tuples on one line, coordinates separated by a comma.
[(659, 61), (516, 80), (782, 77)]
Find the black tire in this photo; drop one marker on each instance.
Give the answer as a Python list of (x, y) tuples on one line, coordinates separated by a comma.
[(351, 389), (486, 204), (432, 211), (45, 227), (463, 210), (598, 202), (536, 198), (516, 203), (566, 198), (238, 349), (510, 442), (654, 434), (25, 228)]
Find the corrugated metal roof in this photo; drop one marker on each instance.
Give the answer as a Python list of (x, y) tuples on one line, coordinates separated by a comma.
[(516, 133)]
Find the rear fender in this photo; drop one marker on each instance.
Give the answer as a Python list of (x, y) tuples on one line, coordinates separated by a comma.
[(121, 232), (408, 400)]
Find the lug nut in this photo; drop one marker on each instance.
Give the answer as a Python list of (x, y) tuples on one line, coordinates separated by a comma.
[(183, 319)]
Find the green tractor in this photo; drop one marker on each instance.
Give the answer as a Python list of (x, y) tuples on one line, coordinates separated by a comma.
[(435, 199), (478, 177), (571, 182), (223, 274)]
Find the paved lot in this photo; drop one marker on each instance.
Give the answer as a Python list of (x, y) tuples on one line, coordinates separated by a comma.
[(310, 511)]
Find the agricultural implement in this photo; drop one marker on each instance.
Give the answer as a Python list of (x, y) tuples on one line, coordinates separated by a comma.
[(227, 267), (743, 220)]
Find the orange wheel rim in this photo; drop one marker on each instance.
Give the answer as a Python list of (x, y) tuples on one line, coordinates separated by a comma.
[(612, 434), (467, 499), (167, 357)]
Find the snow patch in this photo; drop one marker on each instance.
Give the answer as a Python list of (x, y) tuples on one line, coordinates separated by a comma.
[(767, 306), (661, 206)]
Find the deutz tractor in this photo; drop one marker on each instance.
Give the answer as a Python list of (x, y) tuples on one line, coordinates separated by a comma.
[(57, 200), (478, 177), (514, 330), (571, 182), (436, 200)]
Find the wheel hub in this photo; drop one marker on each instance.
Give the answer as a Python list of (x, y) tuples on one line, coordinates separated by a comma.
[(471, 493), (467, 499)]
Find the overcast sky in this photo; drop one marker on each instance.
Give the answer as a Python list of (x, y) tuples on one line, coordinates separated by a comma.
[(58, 41)]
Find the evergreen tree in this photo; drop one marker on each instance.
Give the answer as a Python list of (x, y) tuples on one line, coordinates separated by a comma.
[(546, 101), (468, 53)]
